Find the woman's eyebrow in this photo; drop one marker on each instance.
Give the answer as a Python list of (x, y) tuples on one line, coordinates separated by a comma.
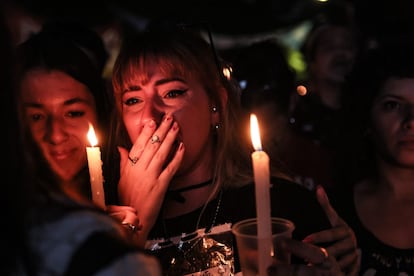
[(166, 80), (158, 82), (132, 88), (390, 96), (76, 100), (66, 102)]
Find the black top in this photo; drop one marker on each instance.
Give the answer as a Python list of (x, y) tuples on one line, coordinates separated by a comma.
[(288, 200), (377, 258)]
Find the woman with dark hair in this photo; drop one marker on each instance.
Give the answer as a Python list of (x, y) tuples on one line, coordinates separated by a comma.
[(61, 93), (375, 190), (54, 227)]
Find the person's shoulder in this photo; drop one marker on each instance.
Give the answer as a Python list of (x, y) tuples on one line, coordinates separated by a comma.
[(69, 216), (133, 264), (116, 257), (56, 239)]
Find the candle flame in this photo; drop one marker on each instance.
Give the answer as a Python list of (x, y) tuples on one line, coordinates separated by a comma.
[(254, 132), (91, 136)]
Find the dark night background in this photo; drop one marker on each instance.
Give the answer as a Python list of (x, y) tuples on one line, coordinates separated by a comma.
[(232, 17)]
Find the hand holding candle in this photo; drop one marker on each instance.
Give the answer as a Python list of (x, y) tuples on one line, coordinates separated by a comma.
[(262, 183), (95, 169)]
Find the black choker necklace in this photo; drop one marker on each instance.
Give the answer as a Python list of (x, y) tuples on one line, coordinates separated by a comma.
[(176, 194)]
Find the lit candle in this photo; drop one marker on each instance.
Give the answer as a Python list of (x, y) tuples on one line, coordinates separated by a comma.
[(262, 183), (95, 169)]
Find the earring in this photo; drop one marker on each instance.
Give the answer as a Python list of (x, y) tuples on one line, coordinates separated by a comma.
[(217, 125)]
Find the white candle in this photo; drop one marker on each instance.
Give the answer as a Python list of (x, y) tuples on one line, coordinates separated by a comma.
[(262, 183), (95, 169)]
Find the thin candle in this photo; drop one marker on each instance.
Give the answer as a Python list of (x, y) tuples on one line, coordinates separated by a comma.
[(260, 161), (95, 169)]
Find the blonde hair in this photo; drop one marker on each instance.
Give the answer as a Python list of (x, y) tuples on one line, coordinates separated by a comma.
[(187, 54)]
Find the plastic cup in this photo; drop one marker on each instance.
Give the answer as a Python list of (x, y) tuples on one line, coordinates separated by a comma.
[(245, 232)]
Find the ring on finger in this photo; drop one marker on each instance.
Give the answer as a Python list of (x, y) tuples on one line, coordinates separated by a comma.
[(326, 263), (324, 252), (133, 160), (155, 139), (130, 226)]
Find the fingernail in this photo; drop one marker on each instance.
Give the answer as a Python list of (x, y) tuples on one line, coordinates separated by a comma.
[(151, 123), (321, 191), (308, 239)]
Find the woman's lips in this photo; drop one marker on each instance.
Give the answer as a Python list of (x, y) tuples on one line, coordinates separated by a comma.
[(61, 155)]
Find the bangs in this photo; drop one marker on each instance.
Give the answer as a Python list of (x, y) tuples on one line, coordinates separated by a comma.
[(139, 69), (174, 55)]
